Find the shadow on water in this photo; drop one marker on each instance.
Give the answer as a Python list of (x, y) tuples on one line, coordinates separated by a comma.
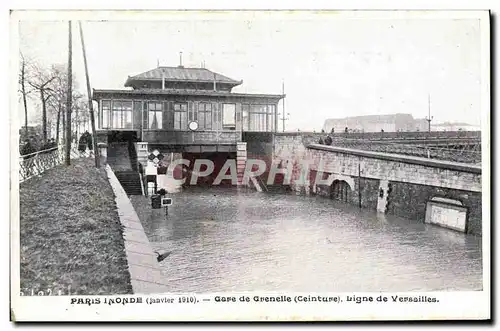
[(226, 239)]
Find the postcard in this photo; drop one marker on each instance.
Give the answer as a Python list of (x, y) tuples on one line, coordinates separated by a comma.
[(250, 165)]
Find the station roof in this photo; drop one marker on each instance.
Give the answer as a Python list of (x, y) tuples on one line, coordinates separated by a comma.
[(182, 74), (98, 94)]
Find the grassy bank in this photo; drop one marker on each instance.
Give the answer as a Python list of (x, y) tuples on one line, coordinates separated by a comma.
[(71, 236)]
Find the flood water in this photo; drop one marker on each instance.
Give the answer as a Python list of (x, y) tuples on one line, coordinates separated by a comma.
[(227, 240)]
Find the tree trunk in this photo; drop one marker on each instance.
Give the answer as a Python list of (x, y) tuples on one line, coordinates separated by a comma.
[(77, 121), (23, 88), (44, 116), (70, 95), (63, 115), (57, 123)]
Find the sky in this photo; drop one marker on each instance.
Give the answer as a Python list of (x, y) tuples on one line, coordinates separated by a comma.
[(332, 65)]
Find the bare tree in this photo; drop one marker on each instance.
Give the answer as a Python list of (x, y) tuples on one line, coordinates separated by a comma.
[(23, 80), (40, 82), (58, 102)]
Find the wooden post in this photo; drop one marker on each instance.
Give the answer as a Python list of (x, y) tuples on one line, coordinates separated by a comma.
[(70, 93), (283, 116), (44, 116), (89, 93)]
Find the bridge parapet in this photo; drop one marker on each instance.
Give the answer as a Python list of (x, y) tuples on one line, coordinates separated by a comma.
[(435, 135), (433, 163)]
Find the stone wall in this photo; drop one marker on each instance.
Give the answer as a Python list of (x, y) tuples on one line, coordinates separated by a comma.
[(395, 184), (397, 168), (410, 200)]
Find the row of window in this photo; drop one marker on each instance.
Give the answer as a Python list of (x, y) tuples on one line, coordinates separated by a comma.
[(118, 115)]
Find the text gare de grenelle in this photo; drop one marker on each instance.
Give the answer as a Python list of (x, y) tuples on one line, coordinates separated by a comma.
[(280, 298), (253, 168)]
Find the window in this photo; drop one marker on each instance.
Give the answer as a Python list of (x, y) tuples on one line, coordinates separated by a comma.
[(205, 116), (105, 110), (245, 118), (216, 118), (155, 116), (180, 116), (121, 115), (271, 113), (137, 114), (229, 116), (261, 118), (192, 114), (258, 118)]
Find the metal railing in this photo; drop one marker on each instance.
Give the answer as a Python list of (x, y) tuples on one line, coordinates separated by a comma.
[(472, 154), (35, 164)]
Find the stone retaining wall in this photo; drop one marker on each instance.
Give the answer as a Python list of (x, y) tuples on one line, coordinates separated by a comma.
[(145, 272)]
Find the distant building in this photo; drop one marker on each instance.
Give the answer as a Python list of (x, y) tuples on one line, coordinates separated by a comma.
[(372, 123), (392, 123), (447, 126), (421, 124)]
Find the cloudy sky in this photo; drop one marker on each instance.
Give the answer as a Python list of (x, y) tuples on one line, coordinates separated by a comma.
[(332, 65)]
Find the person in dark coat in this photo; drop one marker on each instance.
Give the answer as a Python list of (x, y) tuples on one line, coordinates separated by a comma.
[(82, 143), (28, 148), (89, 140), (328, 140)]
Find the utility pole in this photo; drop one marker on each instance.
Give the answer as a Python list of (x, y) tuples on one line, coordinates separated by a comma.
[(429, 118), (91, 106), (283, 117), (70, 94)]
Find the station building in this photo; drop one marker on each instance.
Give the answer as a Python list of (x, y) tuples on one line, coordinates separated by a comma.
[(177, 112)]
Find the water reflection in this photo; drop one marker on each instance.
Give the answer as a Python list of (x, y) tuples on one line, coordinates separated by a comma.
[(224, 239)]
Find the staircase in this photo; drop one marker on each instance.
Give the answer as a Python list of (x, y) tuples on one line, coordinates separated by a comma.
[(130, 181), (132, 154), (123, 160), (118, 156)]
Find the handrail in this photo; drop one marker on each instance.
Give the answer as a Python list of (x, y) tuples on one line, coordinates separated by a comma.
[(262, 184), (35, 164), (142, 183)]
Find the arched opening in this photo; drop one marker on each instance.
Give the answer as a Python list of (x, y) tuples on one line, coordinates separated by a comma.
[(446, 212), (340, 190)]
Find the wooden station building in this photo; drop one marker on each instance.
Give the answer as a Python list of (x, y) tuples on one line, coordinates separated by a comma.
[(191, 112)]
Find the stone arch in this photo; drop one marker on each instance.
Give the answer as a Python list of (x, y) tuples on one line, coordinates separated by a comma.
[(340, 190), (348, 179)]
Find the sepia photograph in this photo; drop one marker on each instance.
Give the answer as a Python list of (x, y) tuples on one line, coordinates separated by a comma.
[(247, 159)]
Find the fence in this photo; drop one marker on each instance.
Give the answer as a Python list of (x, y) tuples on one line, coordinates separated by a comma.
[(35, 164), (467, 154)]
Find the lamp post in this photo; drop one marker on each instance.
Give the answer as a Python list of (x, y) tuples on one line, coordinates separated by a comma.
[(283, 117), (429, 118)]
